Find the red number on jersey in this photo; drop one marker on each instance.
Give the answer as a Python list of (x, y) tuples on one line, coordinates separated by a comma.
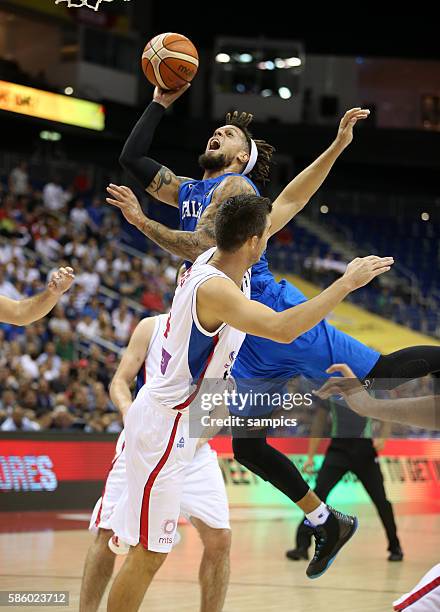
[(167, 328)]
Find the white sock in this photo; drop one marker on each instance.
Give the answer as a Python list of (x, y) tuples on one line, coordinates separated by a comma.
[(318, 516)]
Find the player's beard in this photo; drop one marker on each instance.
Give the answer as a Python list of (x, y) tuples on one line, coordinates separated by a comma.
[(212, 161)]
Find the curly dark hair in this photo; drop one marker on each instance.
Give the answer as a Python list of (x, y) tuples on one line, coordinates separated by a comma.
[(261, 171)]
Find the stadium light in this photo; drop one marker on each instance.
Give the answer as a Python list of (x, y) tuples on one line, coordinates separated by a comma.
[(53, 136), (222, 58), (291, 62), (284, 93)]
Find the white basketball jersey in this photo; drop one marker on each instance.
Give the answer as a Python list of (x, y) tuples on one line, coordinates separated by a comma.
[(154, 353), (190, 354), (150, 367)]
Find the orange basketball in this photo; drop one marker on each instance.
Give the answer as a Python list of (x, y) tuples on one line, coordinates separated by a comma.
[(170, 60)]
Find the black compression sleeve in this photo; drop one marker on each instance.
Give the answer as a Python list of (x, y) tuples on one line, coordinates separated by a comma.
[(408, 363), (134, 154)]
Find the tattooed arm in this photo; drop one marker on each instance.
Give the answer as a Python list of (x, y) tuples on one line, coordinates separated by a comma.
[(165, 186), (188, 245)]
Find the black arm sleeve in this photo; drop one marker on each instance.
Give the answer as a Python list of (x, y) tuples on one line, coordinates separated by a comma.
[(133, 157)]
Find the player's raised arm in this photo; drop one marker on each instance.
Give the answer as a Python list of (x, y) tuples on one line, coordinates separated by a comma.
[(220, 301), (187, 245), (156, 179), (298, 192), (130, 364), (24, 312)]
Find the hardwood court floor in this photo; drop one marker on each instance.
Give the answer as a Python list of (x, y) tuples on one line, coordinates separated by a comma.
[(262, 580)]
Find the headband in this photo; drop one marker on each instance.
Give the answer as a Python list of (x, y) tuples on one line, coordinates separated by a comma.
[(252, 158)]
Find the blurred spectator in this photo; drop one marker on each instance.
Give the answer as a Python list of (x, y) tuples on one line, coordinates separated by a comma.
[(88, 327), (54, 196), (10, 251), (58, 323), (8, 400), (82, 182), (88, 278), (62, 420), (44, 398), (7, 288), (152, 299), (29, 362), (96, 213), (65, 346), (79, 216), (47, 248), (49, 356), (65, 378), (19, 422), (121, 263), (122, 320), (77, 247), (19, 180)]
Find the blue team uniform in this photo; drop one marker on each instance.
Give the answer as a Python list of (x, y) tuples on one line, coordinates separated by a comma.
[(310, 354)]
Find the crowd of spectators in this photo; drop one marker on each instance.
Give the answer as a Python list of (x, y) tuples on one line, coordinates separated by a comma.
[(55, 373)]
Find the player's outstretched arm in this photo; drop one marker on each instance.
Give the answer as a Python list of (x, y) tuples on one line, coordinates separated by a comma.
[(157, 180), (24, 312), (298, 192), (131, 362), (220, 300), (413, 411), (187, 245)]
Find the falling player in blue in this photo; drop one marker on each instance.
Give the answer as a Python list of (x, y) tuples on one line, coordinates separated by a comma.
[(232, 164)]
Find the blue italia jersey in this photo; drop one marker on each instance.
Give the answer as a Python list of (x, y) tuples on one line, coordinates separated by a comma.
[(194, 199)]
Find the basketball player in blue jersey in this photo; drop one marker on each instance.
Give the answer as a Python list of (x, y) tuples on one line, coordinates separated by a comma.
[(232, 163)]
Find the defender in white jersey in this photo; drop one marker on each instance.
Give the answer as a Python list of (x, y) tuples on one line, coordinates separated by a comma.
[(208, 303), (204, 500)]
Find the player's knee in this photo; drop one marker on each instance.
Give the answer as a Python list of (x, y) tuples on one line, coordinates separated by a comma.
[(217, 542), (150, 560), (246, 449), (102, 538)]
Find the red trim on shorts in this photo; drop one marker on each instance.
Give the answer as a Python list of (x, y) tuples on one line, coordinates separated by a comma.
[(424, 590), (193, 395), (144, 524), (98, 518)]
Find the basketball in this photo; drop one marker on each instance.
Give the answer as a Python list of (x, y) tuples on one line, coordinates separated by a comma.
[(170, 60)]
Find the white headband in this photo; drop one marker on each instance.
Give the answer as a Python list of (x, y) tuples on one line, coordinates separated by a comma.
[(252, 158)]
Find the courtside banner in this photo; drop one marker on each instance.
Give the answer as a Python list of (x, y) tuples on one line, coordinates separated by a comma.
[(41, 471), (51, 106)]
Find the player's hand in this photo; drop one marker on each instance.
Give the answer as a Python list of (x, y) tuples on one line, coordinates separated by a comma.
[(124, 199), (61, 281), (167, 97), (348, 121), (309, 466), (362, 270), (348, 386)]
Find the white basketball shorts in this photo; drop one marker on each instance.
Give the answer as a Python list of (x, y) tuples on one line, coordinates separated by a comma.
[(425, 596), (202, 494)]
